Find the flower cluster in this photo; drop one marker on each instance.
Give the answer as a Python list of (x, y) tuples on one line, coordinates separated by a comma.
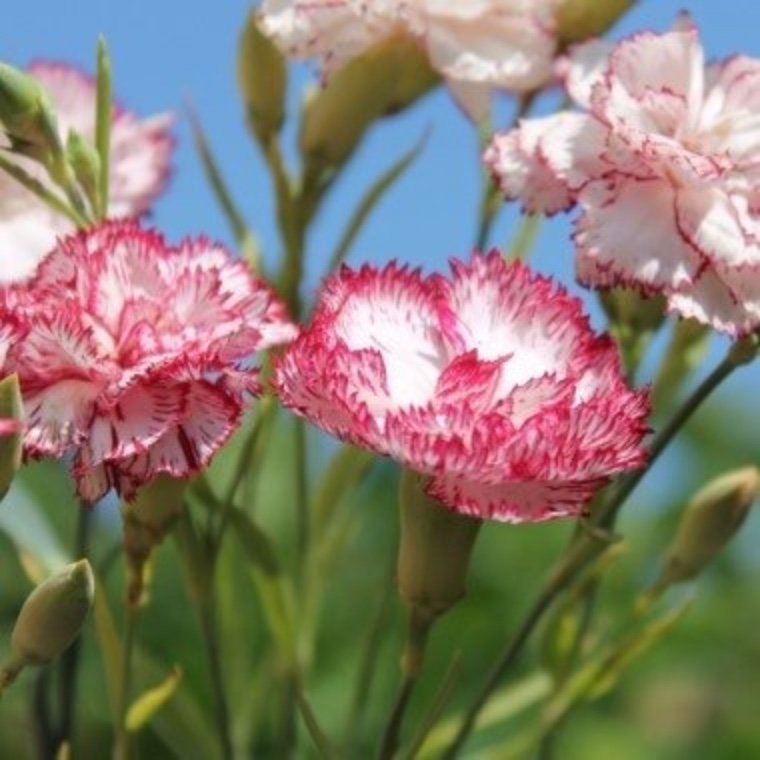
[(134, 356), (139, 167), (491, 382), (663, 163), (476, 46)]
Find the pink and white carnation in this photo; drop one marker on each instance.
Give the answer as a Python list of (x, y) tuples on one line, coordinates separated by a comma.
[(139, 167), (477, 46), (663, 162), (135, 357), (490, 381)]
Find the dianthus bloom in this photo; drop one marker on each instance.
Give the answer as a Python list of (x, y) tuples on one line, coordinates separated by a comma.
[(492, 382), (139, 167), (664, 166), (135, 357), (476, 46)]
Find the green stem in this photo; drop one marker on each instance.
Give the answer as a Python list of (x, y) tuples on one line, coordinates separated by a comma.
[(103, 126), (207, 616), (312, 724), (70, 663), (411, 665), (301, 491), (122, 743), (569, 568), (369, 661)]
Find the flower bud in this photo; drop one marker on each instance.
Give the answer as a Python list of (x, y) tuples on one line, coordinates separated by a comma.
[(579, 20), (633, 320), (11, 415), (263, 80), (709, 522), (435, 550), (383, 80), (147, 521), (84, 160), (26, 113), (51, 619)]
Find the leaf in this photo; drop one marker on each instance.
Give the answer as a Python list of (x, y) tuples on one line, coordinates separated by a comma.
[(151, 701), (12, 414), (373, 195), (504, 705), (109, 646), (343, 473), (103, 126), (244, 237)]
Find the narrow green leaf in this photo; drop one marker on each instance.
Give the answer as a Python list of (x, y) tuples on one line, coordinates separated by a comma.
[(344, 472), (39, 190), (504, 705), (11, 414), (244, 237), (151, 701), (371, 198), (103, 125), (109, 646)]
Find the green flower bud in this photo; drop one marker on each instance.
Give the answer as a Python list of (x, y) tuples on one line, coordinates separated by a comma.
[(435, 550), (709, 522), (579, 20), (26, 113), (147, 521), (51, 619), (11, 440), (84, 160), (634, 319), (263, 80), (383, 80)]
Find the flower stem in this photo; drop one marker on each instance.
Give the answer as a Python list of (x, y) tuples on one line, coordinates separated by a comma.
[(411, 666), (122, 744), (207, 616), (569, 568), (70, 662)]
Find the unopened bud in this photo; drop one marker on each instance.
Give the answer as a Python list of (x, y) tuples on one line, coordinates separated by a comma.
[(147, 521), (709, 522), (434, 554), (26, 113), (383, 80), (84, 160), (579, 20), (11, 441), (51, 619), (634, 319), (263, 79)]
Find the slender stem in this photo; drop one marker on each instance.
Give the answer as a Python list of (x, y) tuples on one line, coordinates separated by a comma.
[(207, 616), (369, 661), (301, 490), (121, 745), (619, 495), (41, 718), (490, 199), (312, 724), (70, 662), (411, 666), (568, 569)]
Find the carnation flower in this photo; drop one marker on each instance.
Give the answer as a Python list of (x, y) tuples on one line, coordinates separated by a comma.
[(135, 356), (476, 46), (139, 167), (663, 163), (491, 382)]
